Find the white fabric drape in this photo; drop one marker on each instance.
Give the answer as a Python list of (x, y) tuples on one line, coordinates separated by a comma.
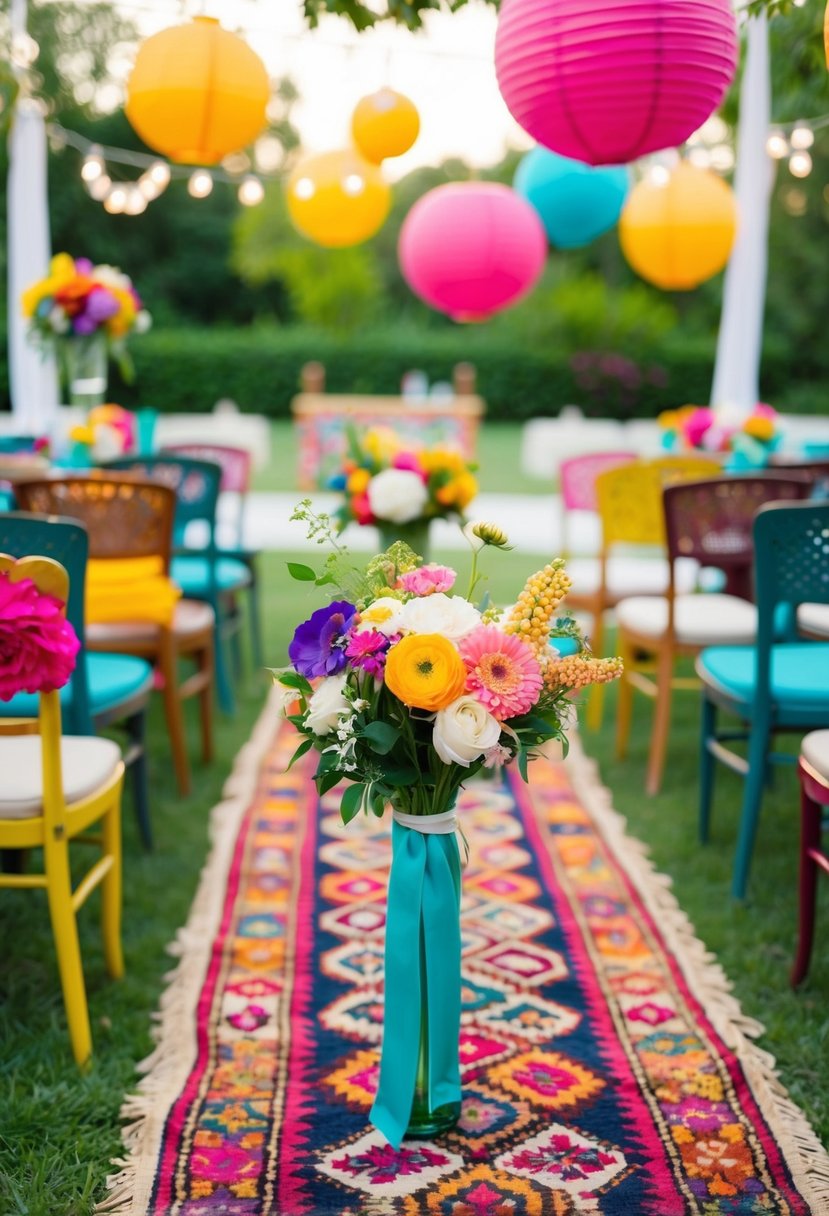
[(736, 386), (32, 378)]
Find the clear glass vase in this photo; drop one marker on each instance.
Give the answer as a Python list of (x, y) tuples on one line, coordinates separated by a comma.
[(83, 360), (415, 534)]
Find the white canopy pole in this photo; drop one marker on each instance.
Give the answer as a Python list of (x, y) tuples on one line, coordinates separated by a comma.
[(736, 386), (32, 376)]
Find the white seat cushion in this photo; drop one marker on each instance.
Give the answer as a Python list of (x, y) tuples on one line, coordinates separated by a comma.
[(87, 762), (814, 618), (699, 620), (815, 750), (630, 575)]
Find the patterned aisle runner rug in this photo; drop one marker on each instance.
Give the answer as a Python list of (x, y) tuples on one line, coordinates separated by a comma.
[(606, 1069)]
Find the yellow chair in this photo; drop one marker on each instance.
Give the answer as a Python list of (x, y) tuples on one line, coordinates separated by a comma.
[(629, 503), (52, 790)]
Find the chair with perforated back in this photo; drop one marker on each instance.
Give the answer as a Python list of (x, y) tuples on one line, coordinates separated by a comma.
[(134, 609), (202, 573), (813, 771), (104, 690), (774, 685), (236, 465), (629, 503), (711, 522), (54, 789), (577, 486)]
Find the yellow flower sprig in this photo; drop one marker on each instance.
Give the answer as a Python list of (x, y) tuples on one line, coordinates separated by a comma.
[(535, 607), (579, 670)]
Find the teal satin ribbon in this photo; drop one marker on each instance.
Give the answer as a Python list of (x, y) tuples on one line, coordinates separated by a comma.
[(423, 921)]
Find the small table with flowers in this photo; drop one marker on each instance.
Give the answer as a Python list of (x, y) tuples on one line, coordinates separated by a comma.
[(321, 421)]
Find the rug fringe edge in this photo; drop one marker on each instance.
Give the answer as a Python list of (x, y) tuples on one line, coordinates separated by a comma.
[(805, 1156), (165, 1069)]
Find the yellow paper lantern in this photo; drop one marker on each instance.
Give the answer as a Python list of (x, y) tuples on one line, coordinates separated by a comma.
[(197, 92), (384, 124), (337, 198), (678, 231)]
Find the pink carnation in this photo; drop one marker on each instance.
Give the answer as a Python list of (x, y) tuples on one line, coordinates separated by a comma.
[(697, 424), (503, 673), (38, 646), (409, 460), (367, 650), (427, 580)]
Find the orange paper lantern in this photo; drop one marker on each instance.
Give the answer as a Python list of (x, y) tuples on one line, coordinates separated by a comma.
[(678, 232), (337, 198), (384, 124), (197, 92)]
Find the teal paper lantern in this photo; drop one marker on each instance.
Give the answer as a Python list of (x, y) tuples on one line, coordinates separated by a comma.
[(575, 201)]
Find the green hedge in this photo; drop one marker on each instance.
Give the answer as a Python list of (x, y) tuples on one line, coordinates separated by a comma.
[(259, 368)]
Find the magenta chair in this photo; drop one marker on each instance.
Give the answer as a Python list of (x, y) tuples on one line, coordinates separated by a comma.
[(813, 771)]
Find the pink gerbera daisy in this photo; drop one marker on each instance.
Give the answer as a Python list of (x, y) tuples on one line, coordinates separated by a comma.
[(503, 672)]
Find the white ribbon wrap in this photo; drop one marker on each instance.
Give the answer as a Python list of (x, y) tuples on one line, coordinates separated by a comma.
[(435, 825)]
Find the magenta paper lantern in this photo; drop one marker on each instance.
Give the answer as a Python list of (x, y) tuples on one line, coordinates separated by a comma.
[(607, 81), (470, 249)]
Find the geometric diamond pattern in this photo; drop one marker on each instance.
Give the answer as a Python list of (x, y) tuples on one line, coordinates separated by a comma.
[(529, 1016), (561, 1158), (522, 962), (548, 1079)]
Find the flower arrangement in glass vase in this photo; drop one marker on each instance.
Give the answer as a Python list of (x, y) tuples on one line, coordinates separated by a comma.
[(84, 313), (401, 488), (407, 690), (746, 442)]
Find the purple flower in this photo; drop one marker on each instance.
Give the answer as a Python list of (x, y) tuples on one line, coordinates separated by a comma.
[(84, 325), (83, 266), (318, 646), (101, 305)]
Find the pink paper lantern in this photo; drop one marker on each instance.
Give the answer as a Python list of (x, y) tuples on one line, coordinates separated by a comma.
[(470, 249), (607, 81)]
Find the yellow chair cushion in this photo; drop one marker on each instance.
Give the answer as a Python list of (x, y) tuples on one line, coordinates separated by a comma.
[(129, 589)]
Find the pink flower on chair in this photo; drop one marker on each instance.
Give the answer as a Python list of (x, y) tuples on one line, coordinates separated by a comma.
[(38, 646)]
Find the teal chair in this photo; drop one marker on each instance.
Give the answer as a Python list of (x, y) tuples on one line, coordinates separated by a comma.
[(779, 684), (204, 572), (105, 689)]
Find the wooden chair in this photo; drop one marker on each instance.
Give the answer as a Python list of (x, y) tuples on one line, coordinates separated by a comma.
[(202, 573), (104, 690), (128, 518), (774, 685), (709, 521), (813, 771), (54, 789), (236, 465), (629, 502)]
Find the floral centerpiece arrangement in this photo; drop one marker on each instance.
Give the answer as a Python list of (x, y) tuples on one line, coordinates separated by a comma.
[(401, 488), (407, 689), (748, 441), (109, 432), (85, 314)]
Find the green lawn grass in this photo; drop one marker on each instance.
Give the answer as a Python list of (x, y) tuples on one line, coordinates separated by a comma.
[(60, 1128)]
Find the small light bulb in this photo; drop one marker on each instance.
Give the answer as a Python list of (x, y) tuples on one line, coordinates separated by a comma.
[(802, 138), (136, 202), (99, 189), (305, 189), (159, 174), (722, 158), (200, 183), (251, 192), (93, 165), (700, 158), (777, 145), (800, 164), (116, 201), (148, 187), (659, 175), (354, 184)]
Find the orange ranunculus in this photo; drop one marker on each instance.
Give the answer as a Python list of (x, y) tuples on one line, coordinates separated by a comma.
[(72, 295), (759, 427), (425, 671)]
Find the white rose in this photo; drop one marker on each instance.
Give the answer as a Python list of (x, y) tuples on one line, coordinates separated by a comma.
[(327, 704), (451, 615), (383, 615), (397, 494), (464, 731)]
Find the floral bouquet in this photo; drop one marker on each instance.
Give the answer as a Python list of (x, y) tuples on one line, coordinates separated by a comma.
[(400, 488), (748, 443), (407, 690), (84, 312)]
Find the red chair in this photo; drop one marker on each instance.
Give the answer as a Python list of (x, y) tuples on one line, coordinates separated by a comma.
[(813, 770)]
